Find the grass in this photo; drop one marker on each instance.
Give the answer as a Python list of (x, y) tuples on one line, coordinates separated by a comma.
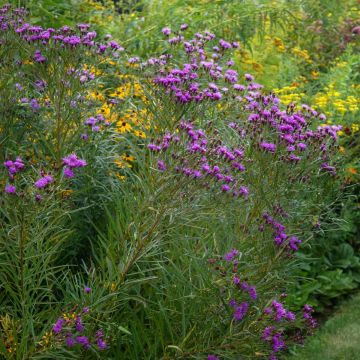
[(339, 337)]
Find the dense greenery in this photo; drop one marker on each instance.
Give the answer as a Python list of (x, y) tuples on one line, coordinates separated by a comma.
[(165, 191)]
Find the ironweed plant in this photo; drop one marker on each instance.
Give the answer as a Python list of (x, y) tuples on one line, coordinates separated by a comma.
[(187, 254)]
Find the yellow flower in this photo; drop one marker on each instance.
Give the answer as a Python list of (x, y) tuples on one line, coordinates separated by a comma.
[(355, 127), (140, 134), (315, 74), (122, 127), (127, 157)]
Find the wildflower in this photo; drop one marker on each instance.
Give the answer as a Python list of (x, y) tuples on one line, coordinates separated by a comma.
[(69, 341), (231, 255), (241, 310), (10, 189), (212, 357), (225, 188), (278, 342), (101, 344), (87, 290), (84, 341), (72, 161), (166, 31), (252, 292), (44, 181), (161, 165), (58, 326), (68, 173), (79, 326), (270, 147)]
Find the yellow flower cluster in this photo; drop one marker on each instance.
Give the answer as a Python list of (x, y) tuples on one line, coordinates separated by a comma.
[(289, 94), (303, 54), (331, 100), (279, 44)]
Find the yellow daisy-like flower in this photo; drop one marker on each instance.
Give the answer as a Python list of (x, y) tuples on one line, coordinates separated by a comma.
[(140, 134), (123, 126), (127, 157)]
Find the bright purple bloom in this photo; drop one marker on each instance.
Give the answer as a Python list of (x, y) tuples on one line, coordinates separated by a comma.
[(72, 161), (252, 292), (101, 344), (69, 341), (58, 326), (241, 310), (10, 189), (87, 290), (212, 357), (68, 172), (44, 181), (161, 165), (84, 341), (270, 147), (230, 255), (166, 31)]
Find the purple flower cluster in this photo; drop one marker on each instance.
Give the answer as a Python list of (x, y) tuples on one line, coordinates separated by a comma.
[(307, 315), (273, 335), (280, 236), (279, 312), (13, 167), (71, 330), (95, 122), (275, 338), (71, 162), (202, 77), (65, 37), (209, 163), (43, 182), (240, 310), (245, 287)]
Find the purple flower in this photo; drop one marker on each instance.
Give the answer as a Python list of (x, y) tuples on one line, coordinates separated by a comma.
[(10, 189), (79, 326), (84, 341), (58, 326), (161, 165), (68, 173), (166, 31), (72, 161), (290, 316), (87, 290), (225, 188), (252, 292), (212, 357), (270, 147), (70, 342), (278, 342), (266, 335), (241, 310), (101, 344), (293, 243), (44, 181), (230, 255), (244, 191)]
